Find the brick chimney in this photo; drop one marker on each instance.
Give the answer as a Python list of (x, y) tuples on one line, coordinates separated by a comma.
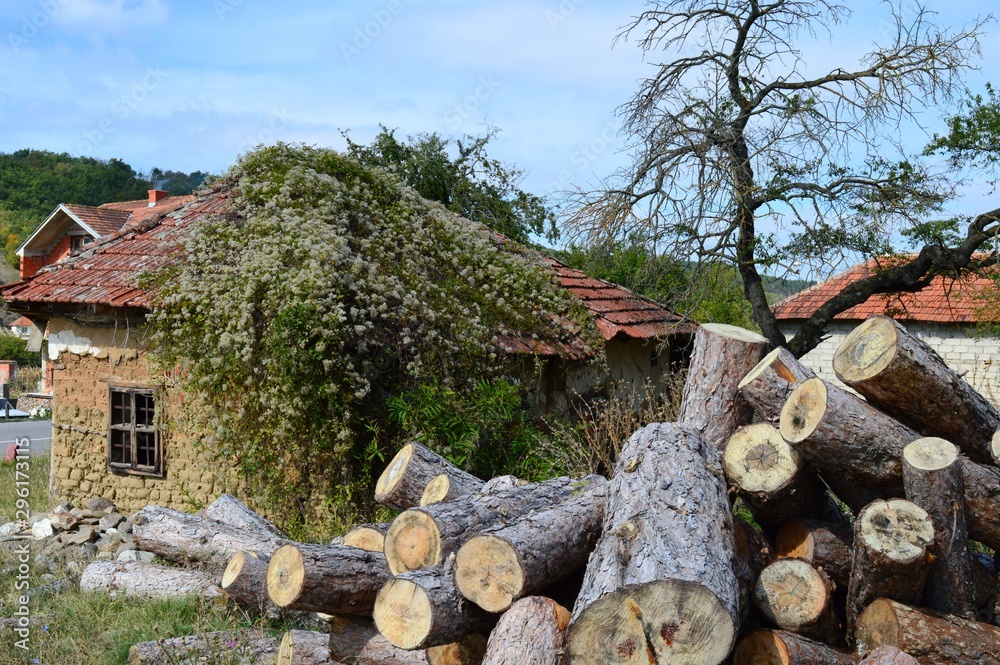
[(156, 195)]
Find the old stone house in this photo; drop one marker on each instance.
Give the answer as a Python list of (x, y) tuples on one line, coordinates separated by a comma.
[(118, 426), (946, 314)]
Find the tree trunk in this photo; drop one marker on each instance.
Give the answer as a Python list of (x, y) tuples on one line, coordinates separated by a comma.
[(846, 438), (887, 655), (230, 510), (798, 598), (931, 638), (241, 647), (779, 647), (304, 647), (982, 502), (468, 651), (135, 579), (369, 537), (661, 581), (531, 632), (443, 487), (188, 539), (245, 581), (403, 482), (498, 566), (424, 537), (891, 542), (423, 608), (900, 374), (825, 545), (767, 386), (357, 641), (771, 476), (710, 402), (333, 579), (932, 477)]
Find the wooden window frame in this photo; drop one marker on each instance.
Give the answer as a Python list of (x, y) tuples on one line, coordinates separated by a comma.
[(133, 468)]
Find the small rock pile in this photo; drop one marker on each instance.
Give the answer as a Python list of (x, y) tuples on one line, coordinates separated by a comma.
[(68, 537)]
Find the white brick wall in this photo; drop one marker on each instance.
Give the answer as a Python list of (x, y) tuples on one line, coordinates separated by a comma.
[(958, 344)]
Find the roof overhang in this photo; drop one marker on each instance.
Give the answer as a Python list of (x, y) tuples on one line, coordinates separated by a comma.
[(49, 231)]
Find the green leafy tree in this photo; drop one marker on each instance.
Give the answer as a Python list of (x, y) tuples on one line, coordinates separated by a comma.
[(15, 348)]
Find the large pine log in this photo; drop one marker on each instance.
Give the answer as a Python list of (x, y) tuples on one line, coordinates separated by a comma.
[(333, 579), (444, 487), (798, 598), (304, 647), (660, 586), (779, 647), (369, 537), (498, 566), (230, 510), (424, 537), (887, 655), (846, 439), (357, 641), (531, 632), (188, 539), (771, 476), (403, 482), (423, 608), (891, 543), (932, 477), (242, 647), (825, 545), (136, 579), (467, 651), (900, 374), (982, 501), (932, 638), (245, 581), (767, 386), (710, 402)]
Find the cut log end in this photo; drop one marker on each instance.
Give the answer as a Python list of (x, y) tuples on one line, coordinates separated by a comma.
[(285, 575), (899, 529), (412, 542), (803, 411), (995, 447), (387, 481), (234, 568), (436, 490), (762, 647), (795, 540), (671, 621), (770, 361), (878, 625), (367, 538), (866, 351), (930, 453), (792, 594), (469, 651), (734, 332), (403, 613), (488, 572), (757, 459)]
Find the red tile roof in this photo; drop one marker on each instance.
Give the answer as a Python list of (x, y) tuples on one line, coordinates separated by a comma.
[(110, 218), (103, 222), (23, 322), (944, 300)]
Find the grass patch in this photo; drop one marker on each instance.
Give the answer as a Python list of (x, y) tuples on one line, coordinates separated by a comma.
[(36, 471)]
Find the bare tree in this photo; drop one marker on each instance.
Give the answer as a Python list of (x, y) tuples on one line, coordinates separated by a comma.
[(744, 154)]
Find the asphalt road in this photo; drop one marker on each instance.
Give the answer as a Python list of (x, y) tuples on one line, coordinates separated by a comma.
[(39, 432)]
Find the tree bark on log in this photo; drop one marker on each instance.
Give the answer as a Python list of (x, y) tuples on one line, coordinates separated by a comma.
[(891, 542), (333, 579), (230, 510), (798, 598), (424, 537), (498, 566), (711, 402), (443, 487), (304, 647), (369, 537), (356, 640), (932, 477), (771, 476), (825, 545), (930, 637), (767, 386), (982, 502), (423, 608), (502, 483), (753, 554), (531, 632), (900, 374), (661, 581), (779, 647), (467, 651), (848, 439), (135, 579), (887, 655), (403, 482), (242, 647), (188, 539)]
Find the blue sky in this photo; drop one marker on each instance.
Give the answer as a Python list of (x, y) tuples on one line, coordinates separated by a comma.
[(191, 84)]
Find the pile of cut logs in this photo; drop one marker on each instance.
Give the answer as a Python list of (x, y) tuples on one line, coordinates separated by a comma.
[(652, 566)]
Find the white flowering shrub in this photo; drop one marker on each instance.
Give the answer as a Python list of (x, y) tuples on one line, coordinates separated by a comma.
[(327, 288)]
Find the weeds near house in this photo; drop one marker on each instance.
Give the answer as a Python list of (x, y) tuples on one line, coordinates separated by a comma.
[(27, 381), (38, 485)]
